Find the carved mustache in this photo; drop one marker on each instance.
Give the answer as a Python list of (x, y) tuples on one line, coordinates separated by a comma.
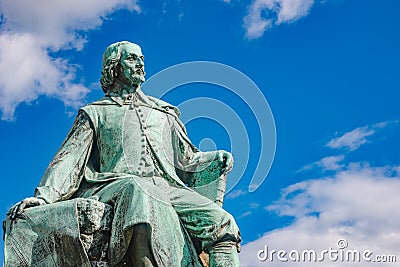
[(140, 71)]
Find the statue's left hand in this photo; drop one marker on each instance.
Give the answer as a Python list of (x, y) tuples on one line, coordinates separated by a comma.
[(18, 209), (227, 160)]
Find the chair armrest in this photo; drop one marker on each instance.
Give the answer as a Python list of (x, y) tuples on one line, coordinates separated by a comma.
[(210, 182)]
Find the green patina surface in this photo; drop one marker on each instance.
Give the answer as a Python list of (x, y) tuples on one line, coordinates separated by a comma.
[(130, 152)]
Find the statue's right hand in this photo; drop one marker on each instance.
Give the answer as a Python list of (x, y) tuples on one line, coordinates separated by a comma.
[(18, 209)]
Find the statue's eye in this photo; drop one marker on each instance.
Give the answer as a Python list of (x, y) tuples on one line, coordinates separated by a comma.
[(131, 58)]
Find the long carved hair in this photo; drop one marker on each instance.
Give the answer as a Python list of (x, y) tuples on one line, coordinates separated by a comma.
[(111, 61)]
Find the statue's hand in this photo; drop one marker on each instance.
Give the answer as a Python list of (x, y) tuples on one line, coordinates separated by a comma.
[(226, 159), (18, 209)]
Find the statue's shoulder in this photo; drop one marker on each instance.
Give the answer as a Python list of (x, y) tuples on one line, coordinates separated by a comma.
[(97, 106), (164, 105), (98, 109), (106, 100)]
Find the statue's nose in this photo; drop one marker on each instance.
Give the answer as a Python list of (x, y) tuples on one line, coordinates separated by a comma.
[(139, 63)]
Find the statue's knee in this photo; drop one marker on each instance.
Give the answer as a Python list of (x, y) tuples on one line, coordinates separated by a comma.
[(229, 223)]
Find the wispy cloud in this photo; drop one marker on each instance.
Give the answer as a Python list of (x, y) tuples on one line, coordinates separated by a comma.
[(263, 14), (245, 214), (236, 193), (254, 205), (30, 32), (354, 139), (358, 204), (331, 163), (350, 141)]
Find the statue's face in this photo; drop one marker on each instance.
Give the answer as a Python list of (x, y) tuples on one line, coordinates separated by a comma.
[(132, 65)]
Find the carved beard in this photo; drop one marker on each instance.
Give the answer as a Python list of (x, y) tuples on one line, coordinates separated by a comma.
[(131, 76), (134, 77)]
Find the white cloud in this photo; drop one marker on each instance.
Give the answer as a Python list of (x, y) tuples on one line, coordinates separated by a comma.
[(331, 163), (56, 24), (31, 30), (254, 205), (263, 14), (354, 139), (351, 140), (359, 204), (383, 124), (236, 193), (28, 71), (245, 214)]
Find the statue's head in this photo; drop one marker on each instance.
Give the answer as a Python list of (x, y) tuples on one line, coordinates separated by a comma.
[(123, 62)]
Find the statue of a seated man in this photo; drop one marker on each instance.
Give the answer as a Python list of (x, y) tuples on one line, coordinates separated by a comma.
[(131, 151)]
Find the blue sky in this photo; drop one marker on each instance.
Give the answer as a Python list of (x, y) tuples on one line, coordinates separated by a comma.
[(328, 69)]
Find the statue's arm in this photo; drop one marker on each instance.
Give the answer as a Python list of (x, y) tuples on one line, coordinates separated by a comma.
[(64, 173)]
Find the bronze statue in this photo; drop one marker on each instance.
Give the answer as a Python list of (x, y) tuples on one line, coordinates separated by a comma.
[(130, 151)]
